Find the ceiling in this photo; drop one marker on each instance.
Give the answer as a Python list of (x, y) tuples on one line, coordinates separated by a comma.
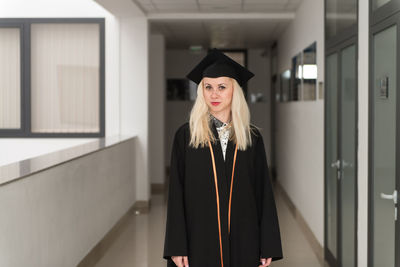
[(219, 23), (161, 6), (220, 34)]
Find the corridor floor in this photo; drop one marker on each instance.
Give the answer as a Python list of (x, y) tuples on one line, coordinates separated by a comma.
[(140, 243)]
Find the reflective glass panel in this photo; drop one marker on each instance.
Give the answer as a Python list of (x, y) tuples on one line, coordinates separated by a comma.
[(378, 3), (331, 153), (340, 15), (348, 154)]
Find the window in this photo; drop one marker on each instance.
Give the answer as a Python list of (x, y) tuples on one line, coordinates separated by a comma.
[(303, 76), (52, 78), (296, 78), (10, 77), (309, 72)]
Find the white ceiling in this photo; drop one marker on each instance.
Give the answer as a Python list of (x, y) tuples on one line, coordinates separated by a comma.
[(161, 6), (221, 33), (219, 23)]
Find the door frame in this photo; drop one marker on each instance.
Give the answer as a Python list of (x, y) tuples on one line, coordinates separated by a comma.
[(392, 20), (383, 12), (338, 48)]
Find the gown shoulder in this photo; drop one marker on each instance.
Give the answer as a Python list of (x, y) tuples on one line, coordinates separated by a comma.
[(181, 134), (255, 134), (182, 130)]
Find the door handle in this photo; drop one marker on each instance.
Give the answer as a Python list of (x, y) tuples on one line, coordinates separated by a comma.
[(347, 164), (335, 164), (393, 196)]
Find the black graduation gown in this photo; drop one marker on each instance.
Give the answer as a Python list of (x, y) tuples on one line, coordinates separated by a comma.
[(192, 219)]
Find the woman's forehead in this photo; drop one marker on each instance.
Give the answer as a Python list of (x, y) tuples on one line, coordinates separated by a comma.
[(217, 80)]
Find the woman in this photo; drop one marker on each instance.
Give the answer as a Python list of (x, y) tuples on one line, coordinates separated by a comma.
[(221, 208)]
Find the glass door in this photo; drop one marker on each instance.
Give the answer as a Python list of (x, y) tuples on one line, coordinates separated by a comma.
[(331, 156), (340, 155), (383, 159)]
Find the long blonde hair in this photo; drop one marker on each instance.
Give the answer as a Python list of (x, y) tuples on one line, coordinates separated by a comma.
[(200, 131)]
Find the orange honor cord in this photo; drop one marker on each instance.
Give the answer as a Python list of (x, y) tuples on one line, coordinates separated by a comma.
[(230, 195), (217, 195)]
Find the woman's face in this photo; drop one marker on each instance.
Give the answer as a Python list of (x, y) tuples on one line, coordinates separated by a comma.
[(218, 93)]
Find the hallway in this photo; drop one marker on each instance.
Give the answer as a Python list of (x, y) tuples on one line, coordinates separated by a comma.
[(144, 234), (93, 91)]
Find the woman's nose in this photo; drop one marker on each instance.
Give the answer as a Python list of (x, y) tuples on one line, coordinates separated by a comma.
[(214, 94)]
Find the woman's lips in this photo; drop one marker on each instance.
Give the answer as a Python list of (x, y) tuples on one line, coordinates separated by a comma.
[(215, 103)]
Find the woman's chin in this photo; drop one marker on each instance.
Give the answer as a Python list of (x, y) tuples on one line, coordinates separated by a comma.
[(216, 108)]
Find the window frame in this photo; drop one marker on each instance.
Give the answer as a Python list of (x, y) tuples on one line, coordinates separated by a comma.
[(25, 25), (383, 12), (344, 34)]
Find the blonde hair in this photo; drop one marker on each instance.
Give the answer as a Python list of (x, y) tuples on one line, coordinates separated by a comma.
[(200, 131)]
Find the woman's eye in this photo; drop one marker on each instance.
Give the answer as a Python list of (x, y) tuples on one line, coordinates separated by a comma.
[(222, 87)]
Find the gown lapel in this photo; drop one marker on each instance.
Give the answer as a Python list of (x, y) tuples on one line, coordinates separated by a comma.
[(220, 164), (224, 167)]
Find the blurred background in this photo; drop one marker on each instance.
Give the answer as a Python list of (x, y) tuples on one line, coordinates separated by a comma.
[(92, 92)]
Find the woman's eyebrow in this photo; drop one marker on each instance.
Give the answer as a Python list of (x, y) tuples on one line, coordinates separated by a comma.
[(218, 84)]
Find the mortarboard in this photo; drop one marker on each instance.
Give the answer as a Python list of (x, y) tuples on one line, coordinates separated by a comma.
[(217, 64)]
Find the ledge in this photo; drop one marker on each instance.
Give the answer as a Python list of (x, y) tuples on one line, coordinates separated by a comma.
[(18, 170)]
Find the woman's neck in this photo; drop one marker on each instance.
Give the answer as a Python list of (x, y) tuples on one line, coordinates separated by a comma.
[(224, 116)]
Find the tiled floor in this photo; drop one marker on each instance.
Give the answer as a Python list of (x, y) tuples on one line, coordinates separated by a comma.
[(140, 244)]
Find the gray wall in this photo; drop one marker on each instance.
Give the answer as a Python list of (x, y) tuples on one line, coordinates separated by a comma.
[(259, 63), (156, 108), (178, 64)]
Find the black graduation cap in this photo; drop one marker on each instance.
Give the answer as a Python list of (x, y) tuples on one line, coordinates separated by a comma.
[(217, 64)]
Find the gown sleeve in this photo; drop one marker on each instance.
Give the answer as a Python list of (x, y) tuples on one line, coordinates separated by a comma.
[(270, 240), (175, 236)]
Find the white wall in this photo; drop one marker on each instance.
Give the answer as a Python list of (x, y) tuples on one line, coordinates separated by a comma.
[(362, 153), (134, 93), (134, 82), (157, 94), (58, 9), (126, 68), (300, 125), (56, 216)]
